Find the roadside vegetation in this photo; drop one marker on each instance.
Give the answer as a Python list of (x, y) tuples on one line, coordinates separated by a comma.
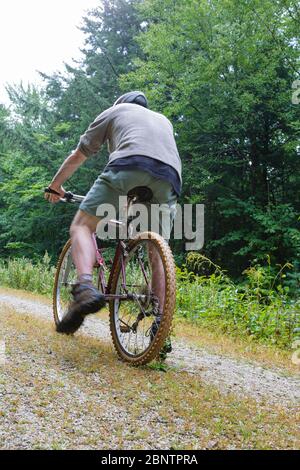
[(260, 307)]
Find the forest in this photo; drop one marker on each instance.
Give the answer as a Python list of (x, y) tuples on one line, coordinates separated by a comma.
[(207, 358), (226, 74)]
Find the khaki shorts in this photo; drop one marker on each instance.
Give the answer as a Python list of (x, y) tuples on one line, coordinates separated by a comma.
[(110, 185)]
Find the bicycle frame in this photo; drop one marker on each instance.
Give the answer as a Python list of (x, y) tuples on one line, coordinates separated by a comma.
[(139, 324), (120, 253), (105, 287)]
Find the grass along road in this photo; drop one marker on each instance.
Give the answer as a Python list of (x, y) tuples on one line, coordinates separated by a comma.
[(61, 392)]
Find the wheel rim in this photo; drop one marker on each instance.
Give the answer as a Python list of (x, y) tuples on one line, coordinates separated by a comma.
[(66, 279), (139, 271)]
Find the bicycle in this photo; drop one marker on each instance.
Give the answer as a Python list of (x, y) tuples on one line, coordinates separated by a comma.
[(139, 326)]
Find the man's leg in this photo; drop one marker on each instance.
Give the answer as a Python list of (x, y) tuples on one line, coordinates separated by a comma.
[(83, 249), (86, 298)]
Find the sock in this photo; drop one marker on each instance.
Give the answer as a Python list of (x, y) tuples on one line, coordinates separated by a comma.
[(85, 279)]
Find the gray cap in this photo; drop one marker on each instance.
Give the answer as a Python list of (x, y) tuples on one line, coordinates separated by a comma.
[(136, 97)]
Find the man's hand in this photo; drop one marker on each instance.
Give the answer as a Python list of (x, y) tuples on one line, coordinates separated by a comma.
[(53, 198)]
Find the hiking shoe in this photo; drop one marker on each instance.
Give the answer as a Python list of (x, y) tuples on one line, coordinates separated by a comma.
[(87, 299)]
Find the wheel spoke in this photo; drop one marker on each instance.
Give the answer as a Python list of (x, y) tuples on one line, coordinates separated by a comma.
[(138, 313)]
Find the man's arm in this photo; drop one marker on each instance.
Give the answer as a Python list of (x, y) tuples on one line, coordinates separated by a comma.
[(89, 144), (69, 166)]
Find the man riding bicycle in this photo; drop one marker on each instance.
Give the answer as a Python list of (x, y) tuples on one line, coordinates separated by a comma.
[(143, 153)]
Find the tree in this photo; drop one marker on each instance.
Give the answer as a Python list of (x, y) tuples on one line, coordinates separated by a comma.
[(46, 124), (223, 72)]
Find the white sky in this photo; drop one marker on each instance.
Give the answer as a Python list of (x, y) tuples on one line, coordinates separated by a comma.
[(38, 35)]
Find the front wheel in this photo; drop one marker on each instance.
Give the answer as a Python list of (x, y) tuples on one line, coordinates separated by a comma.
[(140, 321)]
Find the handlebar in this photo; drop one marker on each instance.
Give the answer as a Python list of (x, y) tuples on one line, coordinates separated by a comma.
[(68, 195)]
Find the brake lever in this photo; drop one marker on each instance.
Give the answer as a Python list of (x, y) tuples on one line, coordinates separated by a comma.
[(68, 196)]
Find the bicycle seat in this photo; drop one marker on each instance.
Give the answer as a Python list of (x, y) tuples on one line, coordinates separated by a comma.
[(140, 194)]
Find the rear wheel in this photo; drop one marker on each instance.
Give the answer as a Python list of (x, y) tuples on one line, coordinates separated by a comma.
[(65, 279), (140, 325)]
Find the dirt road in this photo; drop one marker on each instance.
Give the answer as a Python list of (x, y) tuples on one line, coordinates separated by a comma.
[(61, 392)]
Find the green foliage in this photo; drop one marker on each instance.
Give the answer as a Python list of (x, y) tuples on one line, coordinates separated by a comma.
[(21, 273), (44, 125), (222, 71), (258, 307), (200, 264)]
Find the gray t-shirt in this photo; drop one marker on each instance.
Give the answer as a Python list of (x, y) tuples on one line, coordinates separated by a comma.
[(131, 129)]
